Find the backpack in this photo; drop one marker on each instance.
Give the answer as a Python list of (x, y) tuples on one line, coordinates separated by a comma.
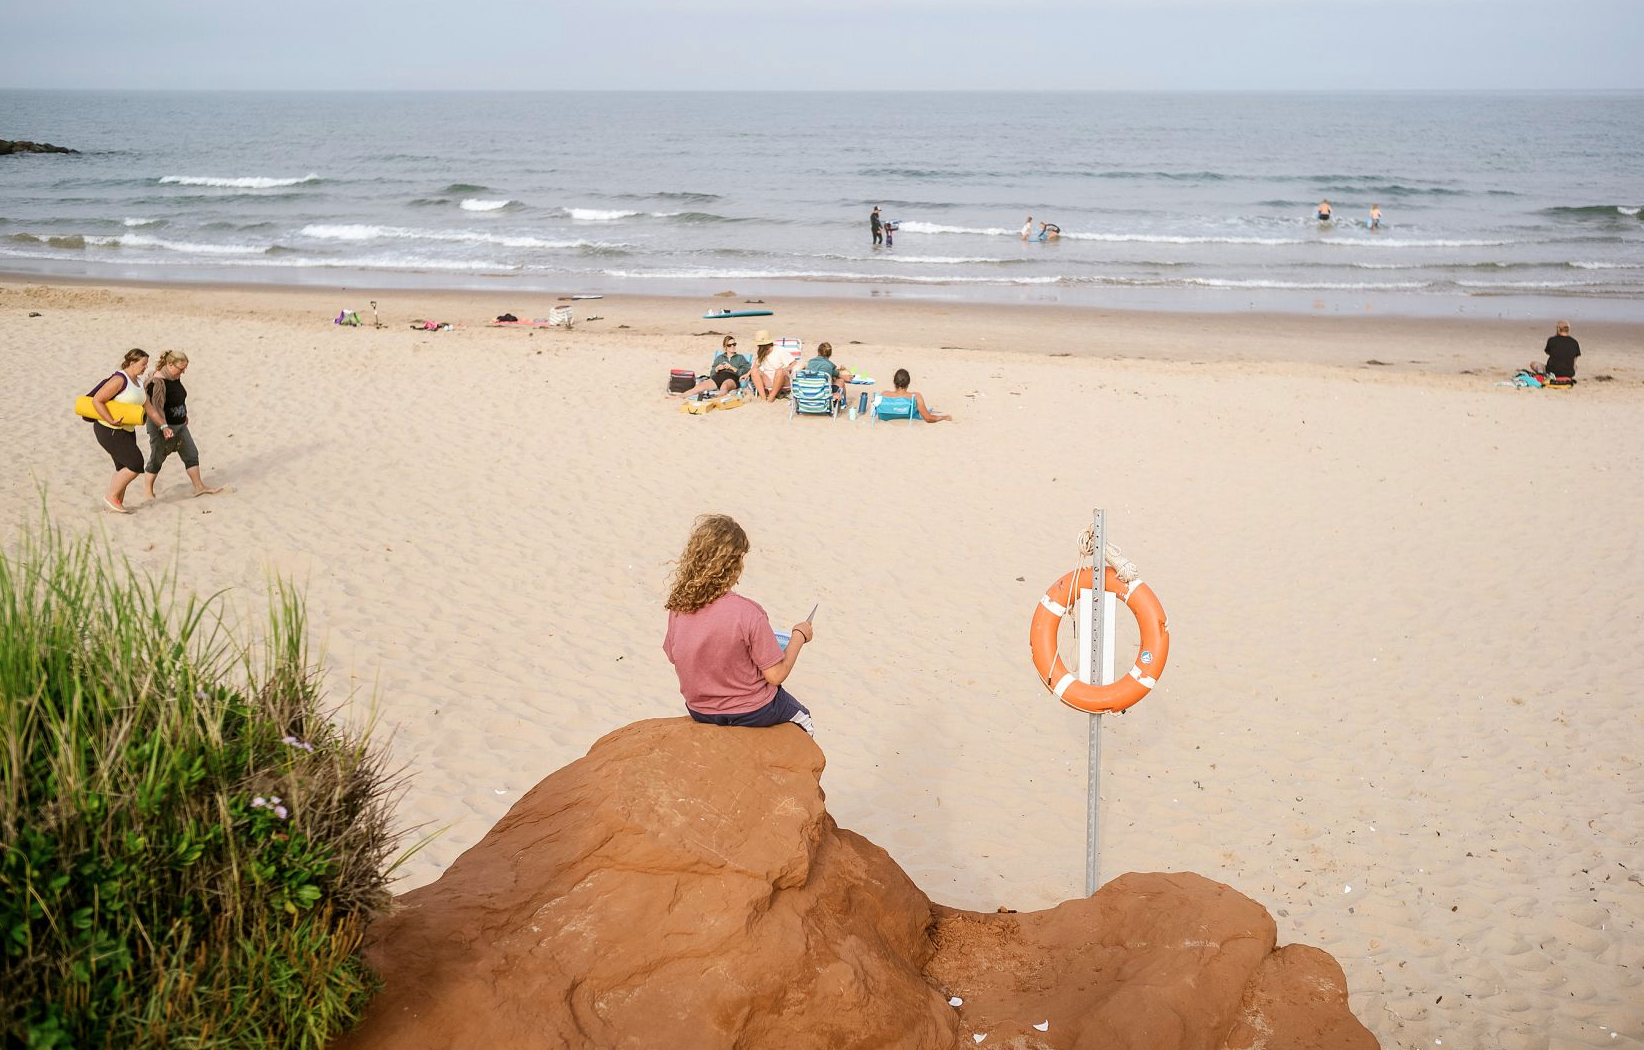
[(680, 380)]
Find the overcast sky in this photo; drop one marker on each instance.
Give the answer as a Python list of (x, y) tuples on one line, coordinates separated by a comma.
[(822, 44)]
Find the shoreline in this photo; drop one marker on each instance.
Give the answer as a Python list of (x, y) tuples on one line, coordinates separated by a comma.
[(1464, 349)]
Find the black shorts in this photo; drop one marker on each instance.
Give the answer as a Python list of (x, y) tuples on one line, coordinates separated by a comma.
[(727, 375), (121, 446)]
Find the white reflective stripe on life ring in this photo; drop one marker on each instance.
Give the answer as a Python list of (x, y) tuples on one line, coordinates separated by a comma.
[(1136, 673), (1059, 610), (1061, 687)]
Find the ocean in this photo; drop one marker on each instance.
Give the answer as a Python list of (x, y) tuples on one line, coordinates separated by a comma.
[(1493, 204)]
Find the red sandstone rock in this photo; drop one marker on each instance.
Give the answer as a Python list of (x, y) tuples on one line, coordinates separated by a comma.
[(683, 887)]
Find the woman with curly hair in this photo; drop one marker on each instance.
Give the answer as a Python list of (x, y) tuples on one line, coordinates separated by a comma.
[(730, 665)]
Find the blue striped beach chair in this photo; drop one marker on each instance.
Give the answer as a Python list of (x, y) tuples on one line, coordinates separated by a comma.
[(811, 394)]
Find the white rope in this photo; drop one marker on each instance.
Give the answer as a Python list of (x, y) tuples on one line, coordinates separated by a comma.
[(1122, 566)]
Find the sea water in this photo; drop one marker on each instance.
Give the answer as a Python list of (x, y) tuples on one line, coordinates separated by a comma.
[(1494, 204)]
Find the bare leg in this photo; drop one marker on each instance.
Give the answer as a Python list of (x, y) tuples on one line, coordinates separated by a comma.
[(116, 495), (148, 484), (200, 487), (759, 385)]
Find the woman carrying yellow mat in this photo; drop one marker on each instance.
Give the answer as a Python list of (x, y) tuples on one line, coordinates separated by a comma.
[(120, 440)]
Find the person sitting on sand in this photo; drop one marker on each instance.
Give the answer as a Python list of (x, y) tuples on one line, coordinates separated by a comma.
[(1324, 211), (1562, 352), (823, 362), (1049, 231), (166, 413), (730, 665), (900, 381), (120, 441), (728, 369), (770, 374)]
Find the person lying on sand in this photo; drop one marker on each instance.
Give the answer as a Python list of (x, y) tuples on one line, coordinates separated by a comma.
[(730, 665)]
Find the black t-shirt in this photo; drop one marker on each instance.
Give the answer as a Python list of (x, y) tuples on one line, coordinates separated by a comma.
[(874, 218), (1561, 354), (176, 402)]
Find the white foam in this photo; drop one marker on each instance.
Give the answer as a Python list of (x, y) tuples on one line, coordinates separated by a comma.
[(1165, 238), (931, 227), (597, 215), (362, 232), (1623, 209), (1391, 242), (824, 275), (1607, 266), (1323, 286), (249, 182), (141, 222), (139, 240), (473, 204), (1531, 284)]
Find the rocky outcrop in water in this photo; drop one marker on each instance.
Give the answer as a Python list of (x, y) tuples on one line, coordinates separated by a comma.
[(10, 146), (683, 886)]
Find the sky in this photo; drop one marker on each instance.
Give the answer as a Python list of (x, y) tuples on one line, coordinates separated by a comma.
[(823, 44)]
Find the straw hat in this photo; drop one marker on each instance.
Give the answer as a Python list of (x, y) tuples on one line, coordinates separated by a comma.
[(763, 338)]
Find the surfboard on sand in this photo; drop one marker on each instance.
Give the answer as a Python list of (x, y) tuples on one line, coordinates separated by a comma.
[(711, 314)]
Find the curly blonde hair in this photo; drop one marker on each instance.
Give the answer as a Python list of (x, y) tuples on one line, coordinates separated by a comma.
[(710, 565)]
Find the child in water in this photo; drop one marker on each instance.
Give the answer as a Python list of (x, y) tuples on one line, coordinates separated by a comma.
[(1375, 216)]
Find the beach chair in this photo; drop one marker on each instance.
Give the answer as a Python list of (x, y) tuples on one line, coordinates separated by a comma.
[(894, 408), (811, 394)]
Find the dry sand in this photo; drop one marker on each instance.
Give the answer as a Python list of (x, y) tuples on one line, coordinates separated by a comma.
[(1401, 707)]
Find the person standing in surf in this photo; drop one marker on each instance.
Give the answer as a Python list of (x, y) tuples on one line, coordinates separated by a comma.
[(877, 225), (1375, 216), (1324, 211), (1027, 228)]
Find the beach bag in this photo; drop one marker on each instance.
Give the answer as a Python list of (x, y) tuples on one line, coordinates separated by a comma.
[(680, 380), (347, 317), (560, 317)]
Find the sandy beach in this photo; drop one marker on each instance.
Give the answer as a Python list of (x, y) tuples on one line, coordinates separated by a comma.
[(1404, 600)]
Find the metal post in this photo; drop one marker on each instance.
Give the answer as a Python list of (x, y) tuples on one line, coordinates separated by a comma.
[(1098, 562)]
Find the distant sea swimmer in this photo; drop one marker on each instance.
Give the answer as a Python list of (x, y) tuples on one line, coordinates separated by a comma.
[(1375, 216), (1324, 211)]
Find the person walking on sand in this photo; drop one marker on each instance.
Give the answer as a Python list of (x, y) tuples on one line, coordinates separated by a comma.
[(118, 440), (730, 665), (877, 225), (1027, 228), (1324, 210), (1562, 352), (167, 423)]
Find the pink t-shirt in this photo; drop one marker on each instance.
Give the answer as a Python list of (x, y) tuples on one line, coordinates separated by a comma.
[(721, 653)]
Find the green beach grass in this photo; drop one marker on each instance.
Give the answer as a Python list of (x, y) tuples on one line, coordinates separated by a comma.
[(190, 851)]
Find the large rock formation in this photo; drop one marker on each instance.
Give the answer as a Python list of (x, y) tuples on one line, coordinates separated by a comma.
[(14, 146), (683, 886)]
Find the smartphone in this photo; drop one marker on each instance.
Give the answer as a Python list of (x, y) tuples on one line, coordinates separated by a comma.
[(812, 617)]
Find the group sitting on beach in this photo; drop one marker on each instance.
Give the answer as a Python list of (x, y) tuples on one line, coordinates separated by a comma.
[(769, 374), (163, 401)]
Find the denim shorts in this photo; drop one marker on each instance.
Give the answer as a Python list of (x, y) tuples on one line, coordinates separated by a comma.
[(782, 708)]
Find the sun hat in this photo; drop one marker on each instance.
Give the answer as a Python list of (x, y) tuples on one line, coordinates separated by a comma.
[(763, 338)]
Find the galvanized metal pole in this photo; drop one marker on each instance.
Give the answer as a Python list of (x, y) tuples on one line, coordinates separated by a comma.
[(1093, 842)]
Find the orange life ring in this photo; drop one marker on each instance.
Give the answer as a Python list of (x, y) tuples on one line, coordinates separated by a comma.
[(1150, 654)]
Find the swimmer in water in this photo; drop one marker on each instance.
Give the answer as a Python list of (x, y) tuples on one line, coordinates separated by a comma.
[(1324, 211), (1375, 216), (1049, 231)]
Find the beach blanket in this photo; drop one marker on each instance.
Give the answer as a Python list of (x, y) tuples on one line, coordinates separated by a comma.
[(537, 322), (420, 325)]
